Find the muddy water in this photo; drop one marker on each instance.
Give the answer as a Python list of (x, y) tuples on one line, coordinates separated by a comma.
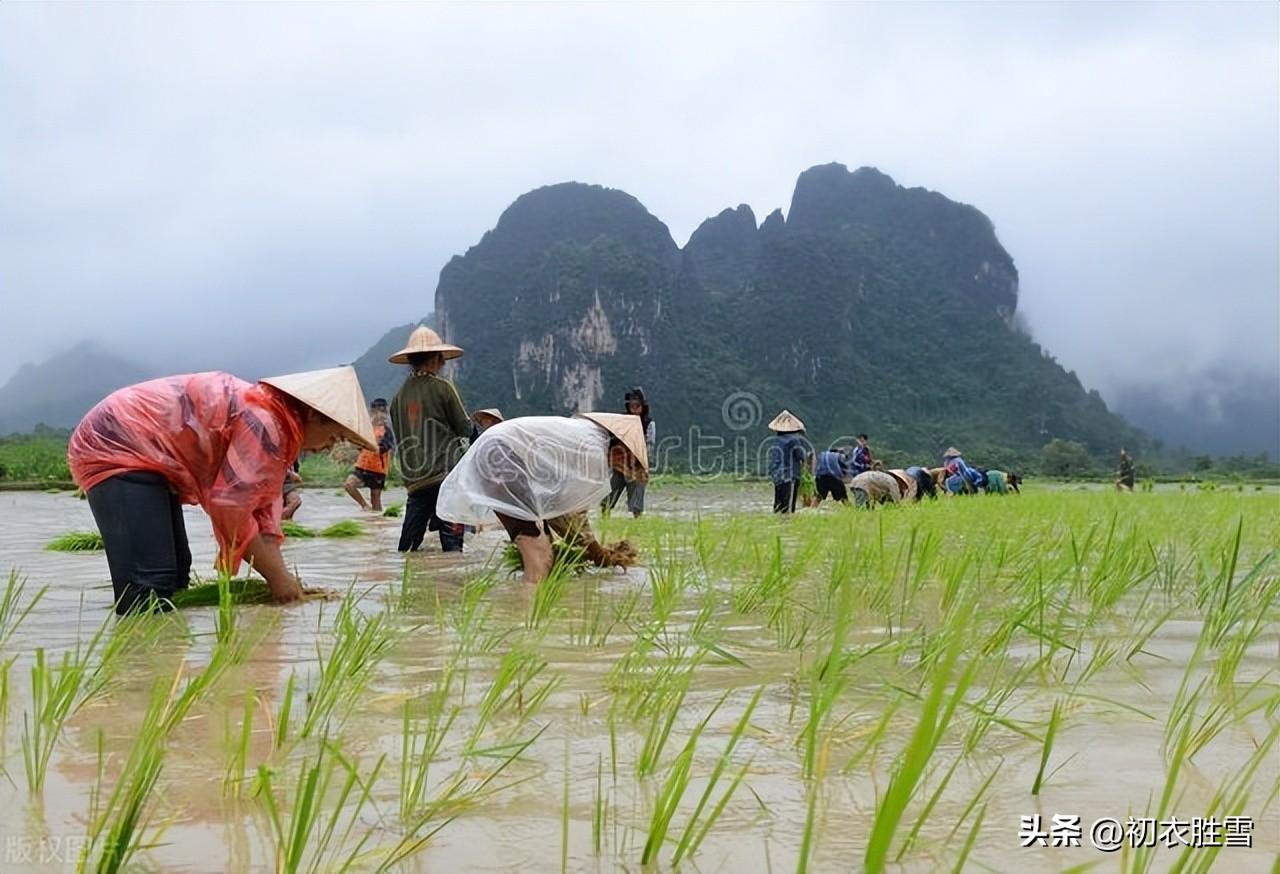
[(1113, 756)]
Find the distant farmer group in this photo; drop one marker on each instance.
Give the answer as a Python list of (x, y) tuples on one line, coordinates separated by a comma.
[(801, 474)]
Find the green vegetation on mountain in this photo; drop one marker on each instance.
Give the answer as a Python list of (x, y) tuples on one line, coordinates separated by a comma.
[(870, 307)]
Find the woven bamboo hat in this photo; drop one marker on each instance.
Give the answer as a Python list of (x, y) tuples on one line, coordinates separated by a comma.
[(334, 393), (492, 414), (423, 339), (785, 421), (951, 453), (627, 429)]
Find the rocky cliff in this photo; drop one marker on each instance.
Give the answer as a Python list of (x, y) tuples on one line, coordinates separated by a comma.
[(870, 306)]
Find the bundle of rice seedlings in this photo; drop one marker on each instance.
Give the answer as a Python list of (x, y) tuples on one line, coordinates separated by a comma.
[(572, 558), (77, 541), (205, 594), (293, 529), (393, 512), (345, 528)]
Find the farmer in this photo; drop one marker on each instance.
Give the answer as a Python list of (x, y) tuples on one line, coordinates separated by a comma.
[(830, 471), (635, 404), (431, 427), (482, 420), (372, 465), (961, 479), (788, 457), (924, 482), (873, 487), (1126, 476), (539, 474), (862, 459), (1000, 482), (208, 439)]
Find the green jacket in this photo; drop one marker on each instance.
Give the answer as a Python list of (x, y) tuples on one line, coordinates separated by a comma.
[(431, 427)]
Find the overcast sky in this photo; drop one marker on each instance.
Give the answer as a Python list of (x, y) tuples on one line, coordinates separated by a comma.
[(285, 181)]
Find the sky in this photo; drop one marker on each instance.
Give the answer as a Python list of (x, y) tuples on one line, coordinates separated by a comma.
[(275, 185)]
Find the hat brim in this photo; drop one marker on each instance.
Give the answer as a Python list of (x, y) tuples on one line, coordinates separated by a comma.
[(627, 429), (448, 351)]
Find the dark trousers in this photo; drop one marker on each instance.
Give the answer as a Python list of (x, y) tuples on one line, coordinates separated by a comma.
[(832, 486), (784, 496), (420, 517), (140, 520)]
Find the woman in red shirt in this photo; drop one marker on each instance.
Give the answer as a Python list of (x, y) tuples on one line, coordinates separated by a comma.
[(208, 439)]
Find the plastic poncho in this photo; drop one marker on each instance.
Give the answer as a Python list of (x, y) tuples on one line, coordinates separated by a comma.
[(222, 443), (531, 468)]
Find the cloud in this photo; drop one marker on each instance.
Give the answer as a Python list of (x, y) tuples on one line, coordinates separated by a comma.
[(278, 183)]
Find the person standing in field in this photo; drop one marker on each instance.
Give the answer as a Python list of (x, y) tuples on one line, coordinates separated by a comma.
[(1126, 476), (635, 404), (372, 466), (862, 458), (788, 457), (208, 439), (431, 426)]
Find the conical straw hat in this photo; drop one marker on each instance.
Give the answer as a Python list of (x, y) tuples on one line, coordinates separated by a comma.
[(628, 429), (785, 421), (423, 339), (951, 453), (492, 412), (335, 393)]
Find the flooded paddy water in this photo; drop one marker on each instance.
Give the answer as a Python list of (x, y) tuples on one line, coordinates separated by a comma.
[(902, 689)]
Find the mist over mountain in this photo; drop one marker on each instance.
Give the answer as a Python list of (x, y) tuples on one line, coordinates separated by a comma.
[(1220, 414)]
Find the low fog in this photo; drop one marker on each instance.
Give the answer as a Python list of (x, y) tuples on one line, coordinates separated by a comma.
[(268, 187)]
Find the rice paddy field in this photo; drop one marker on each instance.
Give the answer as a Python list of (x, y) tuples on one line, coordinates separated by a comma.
[(976, 684)]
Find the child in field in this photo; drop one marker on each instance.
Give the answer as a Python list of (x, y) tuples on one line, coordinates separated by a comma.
[(372, 465)]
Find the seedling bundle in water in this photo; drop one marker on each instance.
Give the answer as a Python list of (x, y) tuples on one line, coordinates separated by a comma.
[(345, 528), (77, 541), (565, 557)]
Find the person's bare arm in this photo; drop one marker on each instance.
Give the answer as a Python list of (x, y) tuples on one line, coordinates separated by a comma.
[(264, 554)]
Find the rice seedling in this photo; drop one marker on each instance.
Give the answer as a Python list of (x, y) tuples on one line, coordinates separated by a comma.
[(76, 541), (281, 735), (421, 740), (234, 776), (59, 690), (565, 557), (359, 643), (1050, 731), (293, 529), (330, 794), (122, 827), (345, 528), (240, 590), (936, 714), (12, 609), (461, 793), (513, 690), (393, 511)]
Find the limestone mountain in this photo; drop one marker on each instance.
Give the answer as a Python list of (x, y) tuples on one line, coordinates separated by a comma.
[(870, 306)]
